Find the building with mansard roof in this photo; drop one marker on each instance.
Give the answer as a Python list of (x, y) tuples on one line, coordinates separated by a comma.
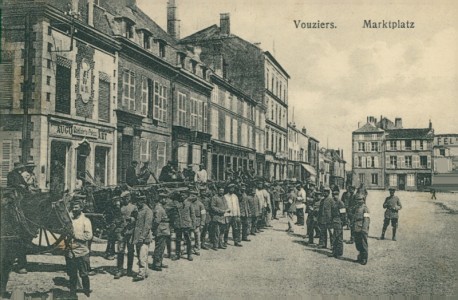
[(387, 155)]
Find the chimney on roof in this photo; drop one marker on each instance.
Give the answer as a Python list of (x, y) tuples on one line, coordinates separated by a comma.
[(173, 24), (225, 23), (398, 123), (304, 130), (430, 124), (371, 120)]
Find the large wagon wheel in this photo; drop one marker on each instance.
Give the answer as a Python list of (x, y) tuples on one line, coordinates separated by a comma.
[(47, 240)]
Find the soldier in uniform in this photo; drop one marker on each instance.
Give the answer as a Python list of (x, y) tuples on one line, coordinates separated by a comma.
[(300, 204), (346, 199), (392, 205), (229, 173), (218, 210), (234, 216), (312, 217), (185, 219), (338, 218), (129, 214), (161, 229), (15, 178), (291, 208), (141, 237), (361, 228), (77, 256), (245, 212), (205, 199), (325, 219), (200, 218), (255, 210), (351, 206)]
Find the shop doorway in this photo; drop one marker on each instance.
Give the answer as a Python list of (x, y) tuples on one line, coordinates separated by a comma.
[(58, 180), (402, 182), (82, 152), (101, 166)]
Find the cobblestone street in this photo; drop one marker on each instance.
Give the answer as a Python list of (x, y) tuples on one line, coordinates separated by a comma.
[(274, 264)]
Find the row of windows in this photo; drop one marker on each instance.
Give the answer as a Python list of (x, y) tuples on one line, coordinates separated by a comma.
[(391, 145), (367, 146), (374, 178), (415, 162), (234, 103), (297, 155), (275, 141), (361, 137), (276, 113), (231, 130), (153, 96), (275, 85), (367, 162)]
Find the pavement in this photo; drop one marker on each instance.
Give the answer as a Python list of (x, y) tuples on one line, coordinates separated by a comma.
[(275, 264)]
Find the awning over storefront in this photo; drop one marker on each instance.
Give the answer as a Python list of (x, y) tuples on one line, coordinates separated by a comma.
[(309, 169)]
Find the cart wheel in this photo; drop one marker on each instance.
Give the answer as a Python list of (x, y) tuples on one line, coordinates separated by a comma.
[(47, 240)]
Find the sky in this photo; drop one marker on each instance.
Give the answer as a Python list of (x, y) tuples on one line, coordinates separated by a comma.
[(340, 76)]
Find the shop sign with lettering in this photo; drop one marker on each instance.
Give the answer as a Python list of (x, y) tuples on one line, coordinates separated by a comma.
[(60, 130), (85, 131)]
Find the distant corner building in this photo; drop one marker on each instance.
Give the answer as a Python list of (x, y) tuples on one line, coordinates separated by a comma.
[(385, 154)]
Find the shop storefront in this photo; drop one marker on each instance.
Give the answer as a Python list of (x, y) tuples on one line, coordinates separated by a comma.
[(80, 151), (232, 156)]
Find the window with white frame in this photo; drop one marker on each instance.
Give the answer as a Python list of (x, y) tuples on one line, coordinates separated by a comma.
[(193, 113), (144, 96), (181, 111), (408, 161), (205, 117), (215, 94), (160, 102), (361, 147), (374, 177), (410, 179), (393, 161), (200, 112), (227, 129), (161, 156), (128, 97), (215, 123), (235, 131), (144, 150), (393, 180), (6, 156)]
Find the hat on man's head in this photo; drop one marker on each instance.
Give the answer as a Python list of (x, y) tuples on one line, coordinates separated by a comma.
[(140, 198), (335, 192), (193, 192), (30, 164), (358, 196), (163, 195), (326, 189), (18, 165), (230, 185), (202, 187), (392, 189)]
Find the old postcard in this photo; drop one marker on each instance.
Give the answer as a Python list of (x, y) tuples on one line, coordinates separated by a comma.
[(228, 149)]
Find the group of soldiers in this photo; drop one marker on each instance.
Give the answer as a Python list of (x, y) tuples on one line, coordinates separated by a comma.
[(202, 215)]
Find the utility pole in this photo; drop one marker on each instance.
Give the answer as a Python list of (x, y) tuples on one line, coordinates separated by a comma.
[(27, 88)]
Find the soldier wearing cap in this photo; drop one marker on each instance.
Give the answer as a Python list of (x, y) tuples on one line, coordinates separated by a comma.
[(218, 211), (361, 228), (141, 237), (351, 206), (189, 174), (229, 173), (205, 198), (161, 230), (291, 208), (77, 249), (185, 219), (346, 199), (255, 210), (312, 217), (200, 213), (131, 174), (300, 204), (392, 207), (234, 221), (115, 225), (260, 196), (338, 215), (245, 212), (145, 174), (129, 213), (325, 218), (201, 175)]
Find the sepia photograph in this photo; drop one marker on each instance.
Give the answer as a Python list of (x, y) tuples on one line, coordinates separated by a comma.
[(215, 149)]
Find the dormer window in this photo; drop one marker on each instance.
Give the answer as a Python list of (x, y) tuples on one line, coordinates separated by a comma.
[(162, 45), (193, 66), (129, 29), (204, 72), (181, 59), (146, 34)]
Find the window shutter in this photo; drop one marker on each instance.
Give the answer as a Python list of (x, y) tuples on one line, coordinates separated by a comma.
[(376, 161), (368, 146), (6, 154), (398, 145), (355, 147), (104, 100), (363, 161), (387, 162), (414, 144), (368, 162), (402, 162), (6, 84), (403, 145), (429, 162), (388, 145), (416, 161), (355, 162)]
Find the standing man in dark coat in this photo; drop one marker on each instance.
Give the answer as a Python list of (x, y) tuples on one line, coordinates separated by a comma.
[(218, 211), (392, 205), (185, 219), (161, 230), (131, 174), (350, 206), (255, 210), (325, 218), (142, 236), (15, 178), (338, 217), (361, 228), (200, 214), (205, 199)]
